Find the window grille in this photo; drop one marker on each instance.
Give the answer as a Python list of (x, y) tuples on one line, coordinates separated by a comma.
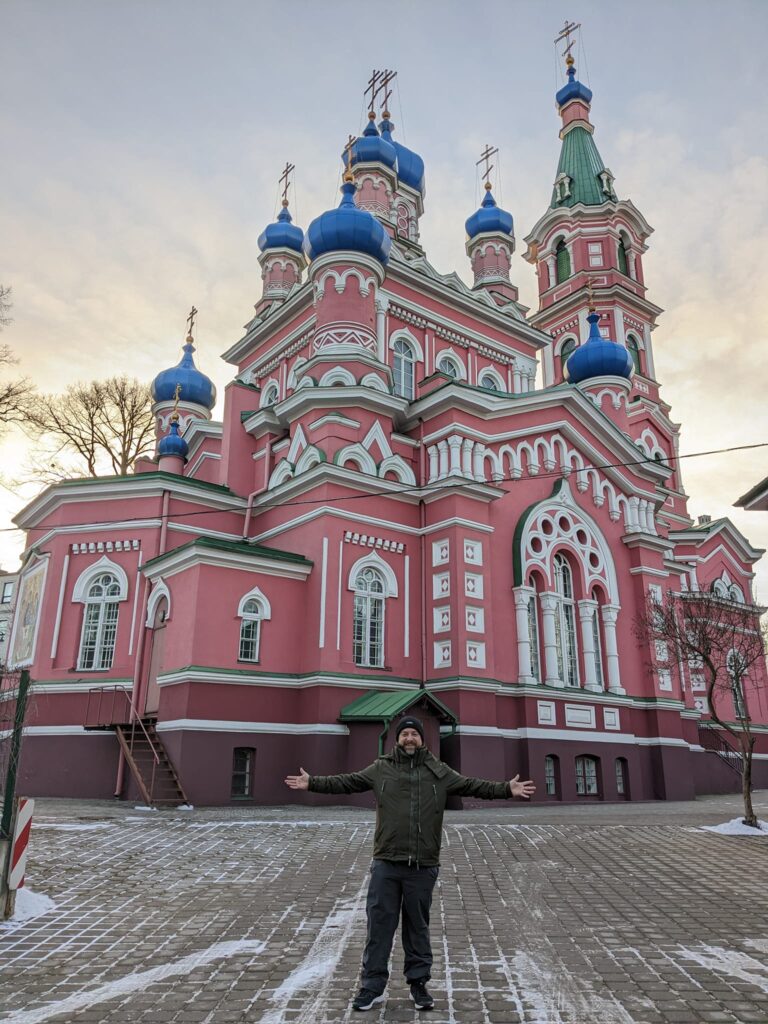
[(533, 635), (404, 369), (623, 262), (565, 624), (621, 767), (550, 775), (243, 759), (447, 366), (586, 776), (368, 624), (250, 630), (562, 262), (633, 348), (598, 648), (97, 642)]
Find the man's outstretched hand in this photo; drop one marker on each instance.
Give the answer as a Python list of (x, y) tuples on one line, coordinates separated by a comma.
[(298, 781), (523, 789)]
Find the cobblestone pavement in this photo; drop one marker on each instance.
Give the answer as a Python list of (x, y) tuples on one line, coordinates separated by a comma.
[(555, 915)]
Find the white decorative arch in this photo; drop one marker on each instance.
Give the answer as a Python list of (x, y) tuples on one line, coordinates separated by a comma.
[(293, 380), (87, 576), (650, 444), (340, 281), (373, 380), (488, 371), (725, 588), (397, 465), (337, 375), (376, 436), (559, 523), (403, 334), (375, 561), (357, 454), (306, 382), (458, 362), (568, 336), (282, 472), (271, 387), (159, 591), (255, 595), (311, 456)]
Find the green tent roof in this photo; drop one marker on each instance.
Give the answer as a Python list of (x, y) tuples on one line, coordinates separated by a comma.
[(384, 707), (581, 161)]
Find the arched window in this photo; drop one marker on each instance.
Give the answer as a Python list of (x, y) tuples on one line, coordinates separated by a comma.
[(565, 624), (404, 369), (533, 632), (552, 775), (622, 778), (271, 396), (368, 625), (586, 776), (633, 347), (489, 381), (597, 643), (623, 262), (562, 262), (252, 612), (569, 346), (447, 365), (97, 643)]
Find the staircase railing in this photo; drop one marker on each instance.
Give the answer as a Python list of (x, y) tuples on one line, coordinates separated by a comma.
[(711, 738), (122, 723)]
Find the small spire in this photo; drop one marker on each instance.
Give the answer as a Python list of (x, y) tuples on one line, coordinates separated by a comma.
[(191, 325), (285, 180), (485, 157), (348, 149), (567, 30)]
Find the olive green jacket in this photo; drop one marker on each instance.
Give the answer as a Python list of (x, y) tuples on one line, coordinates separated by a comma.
[(410, 801)]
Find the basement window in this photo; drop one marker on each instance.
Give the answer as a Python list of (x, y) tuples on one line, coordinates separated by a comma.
[(243, 760)]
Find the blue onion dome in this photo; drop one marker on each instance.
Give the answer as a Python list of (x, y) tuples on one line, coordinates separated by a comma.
[(371, 148), (598, 357), (193, 385), (410, 166), (489, 217), (173, 443), (573, 89), (283, 234), (347, 227)]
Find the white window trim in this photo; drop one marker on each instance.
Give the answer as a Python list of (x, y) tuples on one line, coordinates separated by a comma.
[(86, 577), (159, 591), (375, 561)]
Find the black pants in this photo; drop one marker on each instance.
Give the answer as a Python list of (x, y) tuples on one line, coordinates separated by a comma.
[(394, 887)]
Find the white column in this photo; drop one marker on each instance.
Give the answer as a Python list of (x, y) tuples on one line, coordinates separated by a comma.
[(442, 447), (549, 603), (525, 670), (455, 444), (516, 379), (610, 613), (587, 610), (382, 305), (477, 462), (433, 462), (551, 269), (633, 524), (466, 457), (631, 265)]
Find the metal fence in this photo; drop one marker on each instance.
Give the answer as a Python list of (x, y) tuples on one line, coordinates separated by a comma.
[(14, 691)]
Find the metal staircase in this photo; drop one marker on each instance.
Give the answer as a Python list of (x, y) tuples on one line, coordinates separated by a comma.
[(711, 738), (111, 708)]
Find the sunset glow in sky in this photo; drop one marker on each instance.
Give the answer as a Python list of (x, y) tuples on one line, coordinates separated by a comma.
[(143, 142)]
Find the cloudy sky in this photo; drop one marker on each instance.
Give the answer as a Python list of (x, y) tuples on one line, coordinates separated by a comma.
[(143, 141)]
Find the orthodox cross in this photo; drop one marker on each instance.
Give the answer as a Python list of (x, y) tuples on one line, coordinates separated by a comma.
[(191, 321), (176, 394), (488, 153), (373, 89), (568, 28), (591, 295), (386, 78), (348, 150), (285, 180)]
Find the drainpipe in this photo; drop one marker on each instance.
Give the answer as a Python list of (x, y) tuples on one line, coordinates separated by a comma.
[(259, 490), (423, 557), (164, 521), (383, 735)]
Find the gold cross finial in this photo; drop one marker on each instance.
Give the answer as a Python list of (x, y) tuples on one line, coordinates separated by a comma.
[(373, 89), (567, 30), (348, 176), (486, 156), (176, 393), (285, 180), (386, 78), (191, 322)]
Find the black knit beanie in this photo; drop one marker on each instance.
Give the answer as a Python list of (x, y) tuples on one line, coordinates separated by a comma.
[(409, 723)]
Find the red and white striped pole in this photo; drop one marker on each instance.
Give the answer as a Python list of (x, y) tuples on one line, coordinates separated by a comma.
[(20, 844)]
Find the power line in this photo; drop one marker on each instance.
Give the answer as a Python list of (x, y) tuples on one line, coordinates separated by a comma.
[(410, 489)]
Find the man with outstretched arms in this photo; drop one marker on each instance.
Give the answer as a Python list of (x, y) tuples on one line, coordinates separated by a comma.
[(411, 787)]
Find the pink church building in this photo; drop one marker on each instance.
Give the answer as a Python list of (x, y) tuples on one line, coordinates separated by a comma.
[(420, 496)]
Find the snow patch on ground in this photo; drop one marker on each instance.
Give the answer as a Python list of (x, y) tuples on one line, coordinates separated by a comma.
[(143, 807), (736, 827), (185, 807), (29, 905), (556, 997), (309, 823), (730, 961)]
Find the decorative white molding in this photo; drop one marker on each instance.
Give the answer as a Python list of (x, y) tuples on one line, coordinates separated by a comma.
[(545, 712), (86, 577), (375, 561), (255, 594), (580, 715), (159, 591)]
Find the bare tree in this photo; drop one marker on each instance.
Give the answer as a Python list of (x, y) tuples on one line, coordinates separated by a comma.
[(15, 395), (105, 423), (724, 643)]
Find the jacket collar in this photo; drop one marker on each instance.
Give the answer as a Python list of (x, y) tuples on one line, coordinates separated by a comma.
[(400, 757)]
